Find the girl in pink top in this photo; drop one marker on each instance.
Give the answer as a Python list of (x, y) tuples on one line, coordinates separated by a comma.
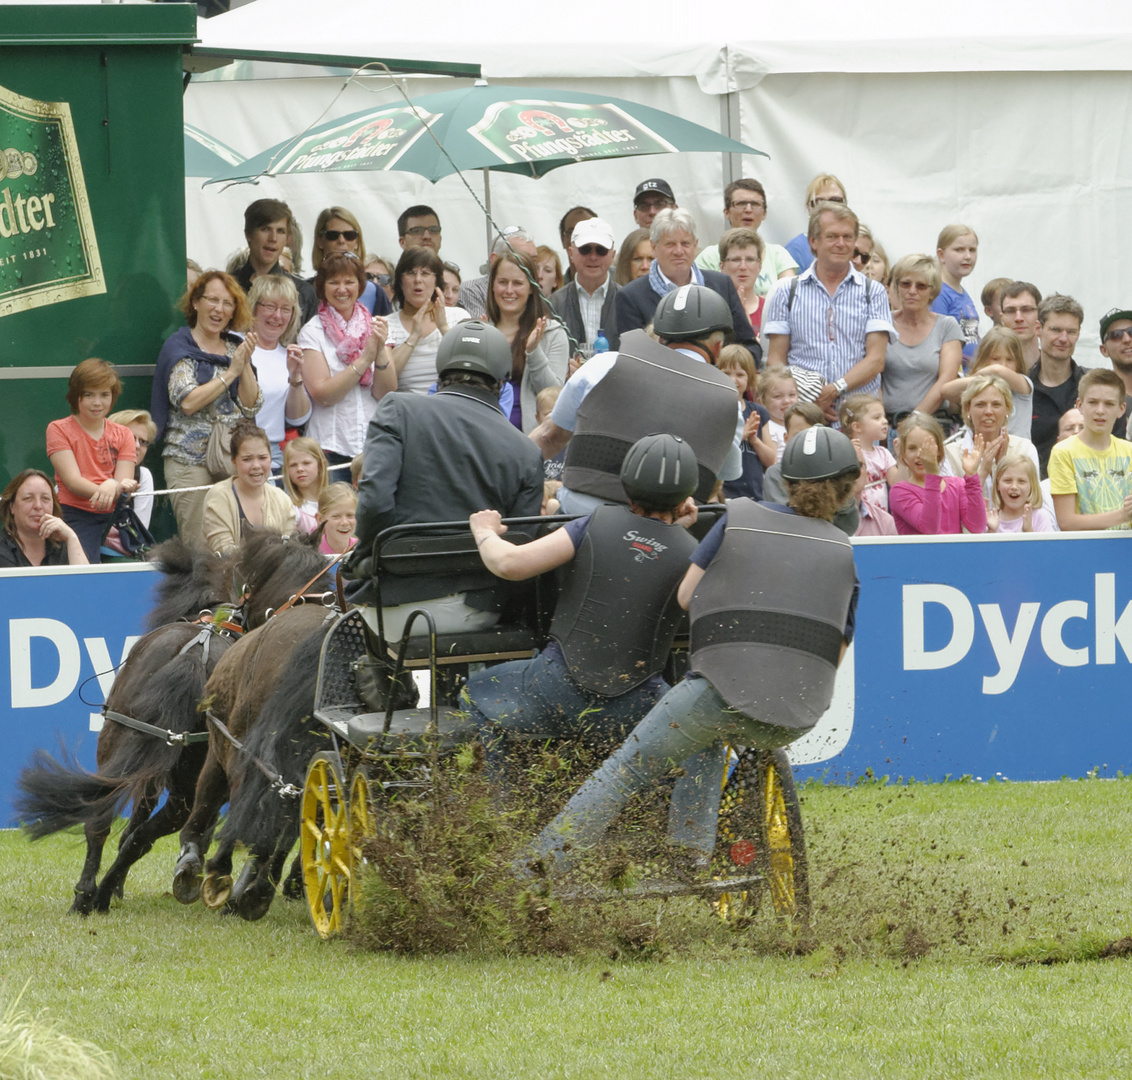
[(928, 503)]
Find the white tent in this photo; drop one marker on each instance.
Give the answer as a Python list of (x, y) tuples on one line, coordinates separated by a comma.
[(1012, 118)]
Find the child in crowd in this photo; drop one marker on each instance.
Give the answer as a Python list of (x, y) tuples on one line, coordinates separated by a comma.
[(958, 250), (1090, 474), (305, 478), (862, 419), (1000, 353), (94, 458), (927, 503), (337, 518), (758, 451), (800, 417), (777, 392), (1070, 423), (1017, 505)]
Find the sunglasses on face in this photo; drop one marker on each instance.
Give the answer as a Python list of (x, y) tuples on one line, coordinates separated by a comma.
[(593, 249), (420, 230), (1119, 335), (349, 235), (379, 279)]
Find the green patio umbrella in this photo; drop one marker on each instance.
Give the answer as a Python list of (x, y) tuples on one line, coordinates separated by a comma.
[(206, 155), (507, 128)]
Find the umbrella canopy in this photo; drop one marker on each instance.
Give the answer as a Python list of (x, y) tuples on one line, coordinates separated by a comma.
[(505, 128), (206, 156)]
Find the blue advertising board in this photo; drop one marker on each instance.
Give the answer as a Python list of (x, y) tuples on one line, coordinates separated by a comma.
[(64, 630), (989, 656)]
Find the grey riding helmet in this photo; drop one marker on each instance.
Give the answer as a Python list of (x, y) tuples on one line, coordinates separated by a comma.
[(691, 312), (475, 346), (819, 453), (659, 472)]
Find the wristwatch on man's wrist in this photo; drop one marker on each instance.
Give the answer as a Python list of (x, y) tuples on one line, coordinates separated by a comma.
[(840, 385)]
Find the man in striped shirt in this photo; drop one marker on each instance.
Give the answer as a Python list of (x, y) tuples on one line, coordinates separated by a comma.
[(831, 321)]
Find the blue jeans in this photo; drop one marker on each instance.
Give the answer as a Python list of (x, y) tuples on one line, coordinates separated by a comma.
[(688, 727), (90, 528), (538, 697)]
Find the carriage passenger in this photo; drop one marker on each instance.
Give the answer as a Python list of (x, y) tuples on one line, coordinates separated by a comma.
[(772, 594), (616, 614)]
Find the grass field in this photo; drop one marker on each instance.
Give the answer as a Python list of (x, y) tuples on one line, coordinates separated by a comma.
[(960, 930)]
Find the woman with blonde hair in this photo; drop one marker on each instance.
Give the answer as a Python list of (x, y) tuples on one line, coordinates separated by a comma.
[(338, 230)]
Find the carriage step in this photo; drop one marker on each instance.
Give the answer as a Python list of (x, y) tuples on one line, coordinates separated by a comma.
[(407, 729)]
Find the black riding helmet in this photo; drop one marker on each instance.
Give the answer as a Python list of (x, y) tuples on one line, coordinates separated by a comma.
[(659, 472), (819, 453), (475, 346), (691, 312)]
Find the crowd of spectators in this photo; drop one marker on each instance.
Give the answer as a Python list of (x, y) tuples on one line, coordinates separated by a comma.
[(957, 430)]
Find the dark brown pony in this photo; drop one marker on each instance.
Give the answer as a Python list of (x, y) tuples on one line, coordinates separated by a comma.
[(160, 684)]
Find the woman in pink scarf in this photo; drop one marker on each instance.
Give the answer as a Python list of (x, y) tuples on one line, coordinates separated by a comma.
[(346, 367)]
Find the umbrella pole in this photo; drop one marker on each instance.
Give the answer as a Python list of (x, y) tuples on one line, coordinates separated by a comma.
[(487, 203)]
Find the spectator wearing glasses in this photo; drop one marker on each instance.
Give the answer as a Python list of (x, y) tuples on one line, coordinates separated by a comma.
[(338, 230), (824, 188), (379, 270), (512, 240), (419, 227), (1019, 302), (744, 207), (863, 248), (831, 321), (586, 304), (649, 199), (1116, 345), (742, 252)]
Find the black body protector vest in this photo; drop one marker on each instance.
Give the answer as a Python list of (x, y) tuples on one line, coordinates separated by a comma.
[(650, 389), (617, 612), (768, 616)]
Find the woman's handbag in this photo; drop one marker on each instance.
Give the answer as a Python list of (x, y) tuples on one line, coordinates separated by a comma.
[(134, 539), (218, 452)]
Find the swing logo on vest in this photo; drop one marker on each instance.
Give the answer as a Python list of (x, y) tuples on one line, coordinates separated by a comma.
[(48, 250), (646, 547)]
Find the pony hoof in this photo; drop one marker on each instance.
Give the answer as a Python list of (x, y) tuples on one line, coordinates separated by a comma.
[(255, 902), (215, 890), (186, 878), (83, 903)]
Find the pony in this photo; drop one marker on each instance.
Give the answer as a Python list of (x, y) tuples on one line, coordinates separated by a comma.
[(160, 684)]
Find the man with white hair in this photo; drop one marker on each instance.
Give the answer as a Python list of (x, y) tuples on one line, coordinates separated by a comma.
[(473, 293), (673, 236)]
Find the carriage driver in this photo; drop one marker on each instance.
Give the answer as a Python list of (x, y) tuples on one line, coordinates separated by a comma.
[(772, 592), (439, 458), (616, 614)]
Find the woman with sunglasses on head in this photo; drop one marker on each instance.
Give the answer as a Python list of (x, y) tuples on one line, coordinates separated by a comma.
[(338, 230), (346, 367), (929, 350)]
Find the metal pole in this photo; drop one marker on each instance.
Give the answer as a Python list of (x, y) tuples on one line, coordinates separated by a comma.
[(487, 203), (729, 125)]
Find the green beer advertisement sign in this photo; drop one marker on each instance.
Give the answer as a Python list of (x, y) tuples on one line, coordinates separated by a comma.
[(48, 251), (518, 131), (375, 143)]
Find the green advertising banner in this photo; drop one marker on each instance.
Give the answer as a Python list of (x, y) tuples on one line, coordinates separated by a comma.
[(377, 143), (48, 251), (519, 131)]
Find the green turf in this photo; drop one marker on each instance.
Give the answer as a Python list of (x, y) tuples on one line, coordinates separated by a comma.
[(960, 930)]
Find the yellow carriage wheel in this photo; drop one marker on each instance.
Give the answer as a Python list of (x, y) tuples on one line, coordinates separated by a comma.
[(362, 825), (738, 838), (783, 854), (325, 843)]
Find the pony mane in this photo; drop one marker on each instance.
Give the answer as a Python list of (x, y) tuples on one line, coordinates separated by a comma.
[(192, 580)]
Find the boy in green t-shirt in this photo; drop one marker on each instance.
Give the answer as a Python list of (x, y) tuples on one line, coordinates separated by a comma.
[(1090, 474)]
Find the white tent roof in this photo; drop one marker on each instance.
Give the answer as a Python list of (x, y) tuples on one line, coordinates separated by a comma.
[(602, 40)]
